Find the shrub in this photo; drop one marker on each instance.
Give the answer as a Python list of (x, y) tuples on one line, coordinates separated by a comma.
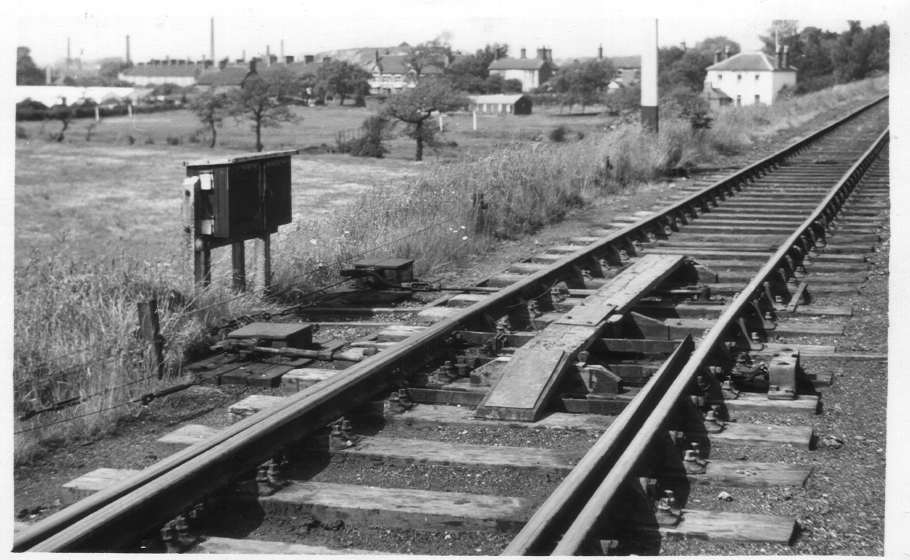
[(149, 140), (20, 133), (558, 134), (173, 140), (369, 144)]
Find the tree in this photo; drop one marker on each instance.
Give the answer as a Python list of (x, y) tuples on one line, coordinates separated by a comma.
[(209, 108), (64, 114), (27, 73), (430, 53), (679, 67), (782, 32), (342, 79), (263, 102), (415, 105), (583, 83), (471, 73), (858, 52)]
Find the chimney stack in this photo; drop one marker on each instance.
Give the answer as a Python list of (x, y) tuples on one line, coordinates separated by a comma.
[(600, 52), (289, 59), (786, 58), (523, 53), (716, 56), (128, 60), (780, 56), (68, 54), (282, 50), (726, 52), (253, 64), (310, 58), (212, 38)]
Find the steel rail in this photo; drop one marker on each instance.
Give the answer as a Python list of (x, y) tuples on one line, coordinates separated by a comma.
[(114, 517), (579, 534)]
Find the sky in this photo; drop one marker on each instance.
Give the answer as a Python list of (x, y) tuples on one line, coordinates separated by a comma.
[(571, 28)]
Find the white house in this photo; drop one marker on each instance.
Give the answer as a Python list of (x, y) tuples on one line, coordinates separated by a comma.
[(748, 78), (531, 72), (501, 104)]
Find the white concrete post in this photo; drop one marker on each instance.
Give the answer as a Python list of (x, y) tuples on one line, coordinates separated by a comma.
[(475, 121), (649, 115)]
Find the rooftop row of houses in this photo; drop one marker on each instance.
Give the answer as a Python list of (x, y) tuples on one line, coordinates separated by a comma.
[(390, 70)]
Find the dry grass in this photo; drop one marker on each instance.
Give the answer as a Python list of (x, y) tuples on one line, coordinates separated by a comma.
[(77, 289)]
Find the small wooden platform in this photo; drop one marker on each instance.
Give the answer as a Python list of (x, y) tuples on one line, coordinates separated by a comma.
[(293, 335), (398, 507), (530, 378)]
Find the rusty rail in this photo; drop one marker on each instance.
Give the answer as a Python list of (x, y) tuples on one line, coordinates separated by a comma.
[(116, 516)]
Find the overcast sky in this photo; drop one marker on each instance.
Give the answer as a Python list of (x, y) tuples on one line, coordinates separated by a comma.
[(180, 29)]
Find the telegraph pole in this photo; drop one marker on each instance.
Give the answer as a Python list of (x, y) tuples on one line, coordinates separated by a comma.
[(649, 117)]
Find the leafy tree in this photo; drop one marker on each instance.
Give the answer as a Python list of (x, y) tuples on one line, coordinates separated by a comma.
[(583, 83), (471, 73), (27, 73), (430, 53), (210, 107), (110, 68), (859, 52), (342, 79), (263, 101), (785, 32), (624, 99), (415, 105), (64, 114)]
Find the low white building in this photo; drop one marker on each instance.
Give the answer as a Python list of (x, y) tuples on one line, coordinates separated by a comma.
[(501, 104), (748, 78)]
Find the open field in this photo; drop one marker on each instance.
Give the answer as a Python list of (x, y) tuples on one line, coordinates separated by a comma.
[(316, 126)]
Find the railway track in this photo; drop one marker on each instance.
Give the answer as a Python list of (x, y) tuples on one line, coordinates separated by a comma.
[(574, 403)]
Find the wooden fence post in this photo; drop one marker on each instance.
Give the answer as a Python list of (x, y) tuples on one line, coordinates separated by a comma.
[(150, 331)]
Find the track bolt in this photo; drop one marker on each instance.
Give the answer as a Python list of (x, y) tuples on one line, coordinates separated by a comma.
[(755, 336), (461, 367), (273, 473), (666, 509), (692, 460), (184, 537), (713, 423), (169, 537), (338, 439), (447, 372), (727, 389)]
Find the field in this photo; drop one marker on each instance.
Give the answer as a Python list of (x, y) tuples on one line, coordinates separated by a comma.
[(98, 225)]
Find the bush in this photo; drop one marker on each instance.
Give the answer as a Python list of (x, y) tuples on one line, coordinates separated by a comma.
[(558, 134), (173, 141), (369, 144), (149, 140), (20, 133)]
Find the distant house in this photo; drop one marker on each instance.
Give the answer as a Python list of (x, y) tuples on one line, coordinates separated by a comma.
[(531, 72), (156, 72), (748, 78), (628, 69), (501, 103), (393, 73)]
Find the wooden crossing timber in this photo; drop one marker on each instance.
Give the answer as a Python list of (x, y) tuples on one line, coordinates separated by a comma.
[(532, 375)]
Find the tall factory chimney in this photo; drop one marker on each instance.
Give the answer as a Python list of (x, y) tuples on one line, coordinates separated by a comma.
[(282, 51), (128, 60), (68, 55), (212, 39)]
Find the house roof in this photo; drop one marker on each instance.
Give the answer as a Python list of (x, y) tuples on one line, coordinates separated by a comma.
[(229, 76), (164, 70), (506, 98), (749, 62), (517, 64)]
